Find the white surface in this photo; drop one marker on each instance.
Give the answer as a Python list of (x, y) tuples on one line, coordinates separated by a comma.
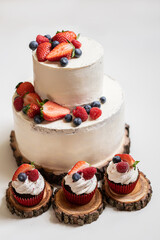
[(129, 33)]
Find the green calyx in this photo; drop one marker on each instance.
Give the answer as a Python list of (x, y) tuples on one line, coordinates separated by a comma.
[(73, 52), (32, 164), (78, 35), (134, 164), (26, 108), (43, 102), (62, 31), (18, 85)]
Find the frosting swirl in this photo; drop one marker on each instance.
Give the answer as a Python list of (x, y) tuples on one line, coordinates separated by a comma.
[(29, 187), (124, 178), (81, 186)]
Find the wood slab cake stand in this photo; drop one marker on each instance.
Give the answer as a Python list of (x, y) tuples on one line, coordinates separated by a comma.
[(70, 213), (47, 173), (135, 200), (28, 212)]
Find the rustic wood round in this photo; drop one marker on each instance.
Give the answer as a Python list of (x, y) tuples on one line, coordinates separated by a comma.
[(135, 200)]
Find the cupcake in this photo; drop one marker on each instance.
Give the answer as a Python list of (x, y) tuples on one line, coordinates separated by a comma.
[(80, 184), (122, 174), (27, 185)]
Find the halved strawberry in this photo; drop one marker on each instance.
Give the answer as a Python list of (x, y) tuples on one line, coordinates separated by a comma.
[(52, 111), (41, 39), (61, 50), (43, 50), (23, 168), (88, 172), (78, 166), (126, 158), (24, 87), (31, 98), (64, 36)]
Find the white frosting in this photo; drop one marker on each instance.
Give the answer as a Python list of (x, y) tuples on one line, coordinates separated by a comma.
[(80, 82), (29, 187), (81, 186), (124, 178), (59, 145)]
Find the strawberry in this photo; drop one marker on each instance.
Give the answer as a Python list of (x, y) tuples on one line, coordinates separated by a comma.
[(88, 172), (31, 98), (81, 113), (122, 167), (76, 43), (43, 50), (61, 50), (23, 168), (41, 39), (78, 166), (18, 103), (33, 175), (32, 110), (95, 113), (52, 111), (126, 158), (24, 87), (64, 36)]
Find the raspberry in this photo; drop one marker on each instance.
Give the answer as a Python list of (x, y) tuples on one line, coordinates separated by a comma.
[(122, 167), (41, 39), (81, 113), (95, 113), (88, 173), (33, 175), (18, 103), (76, 43)]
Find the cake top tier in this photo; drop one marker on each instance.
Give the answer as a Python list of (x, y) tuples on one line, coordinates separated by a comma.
[(91, 52)]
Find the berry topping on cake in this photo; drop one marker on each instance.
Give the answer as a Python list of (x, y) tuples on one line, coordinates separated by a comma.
[(63, 61), (33, 45), (48, 36), (76, 177), (95, 113), (43, 50), (33, 175), (116, 159), (54, 44), (41, 39), (78, 166), (77, 121), (52, 111), (32, 98), (24, 87), (18, 103), (32, 110), (88, 173), (22, 177), (76, 43), (81, 113), (38, 119), (62, 50), (78, 52), (87, 108), (22, 169), (122, 167), (96, 104), (64, 36), (103, 99), (129, 159), (68, 118)]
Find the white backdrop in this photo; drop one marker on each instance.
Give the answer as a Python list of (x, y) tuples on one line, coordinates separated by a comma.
[(130, 34)]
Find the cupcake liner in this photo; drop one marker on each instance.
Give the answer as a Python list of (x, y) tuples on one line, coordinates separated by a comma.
[(78, 199), (122, 189), (29, 202)]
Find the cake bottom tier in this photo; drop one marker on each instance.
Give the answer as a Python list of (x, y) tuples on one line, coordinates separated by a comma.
[(57, 146)]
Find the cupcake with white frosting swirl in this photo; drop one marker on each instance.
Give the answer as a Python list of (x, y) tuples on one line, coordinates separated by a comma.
[(80, 184), (122, 174)]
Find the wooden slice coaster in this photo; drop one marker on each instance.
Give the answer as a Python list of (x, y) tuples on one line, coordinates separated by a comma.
[(135, 200), (28, 212), (74, 214)]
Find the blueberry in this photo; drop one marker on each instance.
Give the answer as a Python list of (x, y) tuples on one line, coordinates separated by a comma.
[(63, 61), (116, 159), (68, 118), (38, 119), (87, 108), (48, 36), (22, 177), (33, 45), (77, 121), (54, 44), (103, 99), (96, 104), (76, 177), (78, 52)]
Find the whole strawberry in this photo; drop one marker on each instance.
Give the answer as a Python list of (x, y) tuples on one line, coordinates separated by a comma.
[(64, 36), (18, 103), (43, 50), (32, 110), (81, 113), (24, 87)]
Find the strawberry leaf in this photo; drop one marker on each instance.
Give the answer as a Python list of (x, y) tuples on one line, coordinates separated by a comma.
[(78, 35), (134, 164), (26, 108), (32, 164)]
